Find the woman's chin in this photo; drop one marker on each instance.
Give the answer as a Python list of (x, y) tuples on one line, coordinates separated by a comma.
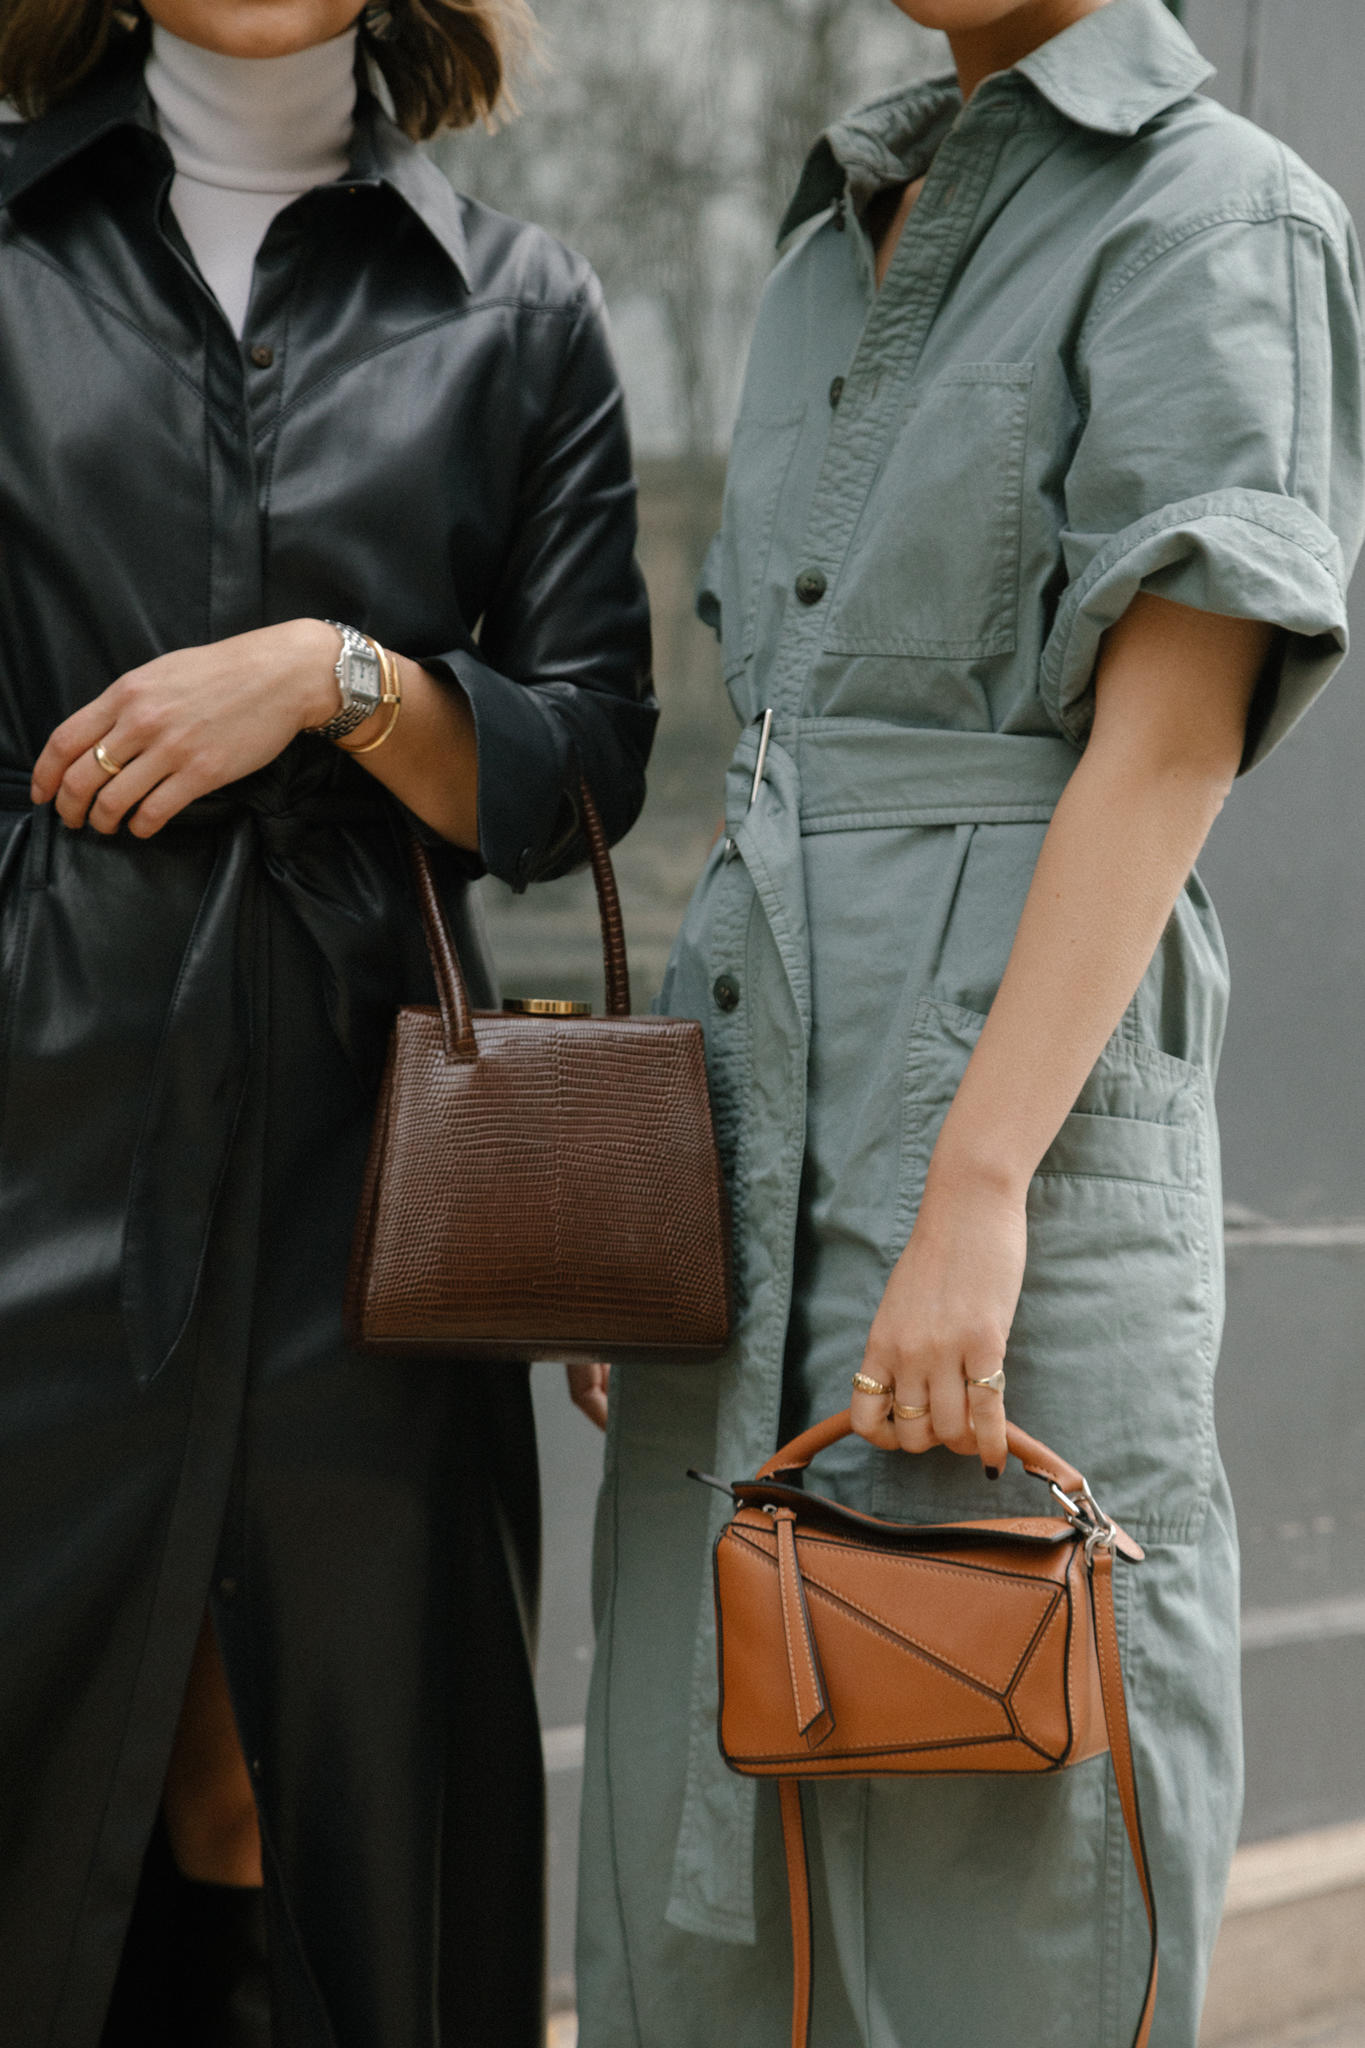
[(254, 28)]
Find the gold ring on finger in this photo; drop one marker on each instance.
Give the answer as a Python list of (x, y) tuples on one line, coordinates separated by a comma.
[(864, 1384), (904, 1414), (107, 761), (995, 1382)]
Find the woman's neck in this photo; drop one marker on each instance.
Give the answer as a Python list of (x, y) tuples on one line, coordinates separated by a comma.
[(266, 124), (980, 53)]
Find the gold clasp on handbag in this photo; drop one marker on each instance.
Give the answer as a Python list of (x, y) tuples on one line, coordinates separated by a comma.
[(544, 1006)]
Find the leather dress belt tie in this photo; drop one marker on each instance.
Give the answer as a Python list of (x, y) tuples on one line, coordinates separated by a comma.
[(341, 892)]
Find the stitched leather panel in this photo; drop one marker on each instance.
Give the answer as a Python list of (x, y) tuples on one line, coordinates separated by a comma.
[(929, 1663)]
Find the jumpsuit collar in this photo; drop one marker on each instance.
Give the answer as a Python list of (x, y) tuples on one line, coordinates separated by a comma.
[(117, 98), (1114, 71), (1119, 68)]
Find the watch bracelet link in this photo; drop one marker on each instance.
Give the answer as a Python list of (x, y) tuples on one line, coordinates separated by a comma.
[(357, 702)]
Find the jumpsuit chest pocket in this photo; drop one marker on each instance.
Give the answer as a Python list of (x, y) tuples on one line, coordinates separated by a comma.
[(933, 566)]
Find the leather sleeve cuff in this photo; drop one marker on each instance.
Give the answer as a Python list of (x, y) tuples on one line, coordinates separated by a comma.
[(524, 765)]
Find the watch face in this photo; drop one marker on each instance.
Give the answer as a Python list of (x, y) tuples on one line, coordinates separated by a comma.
[(360, 676)]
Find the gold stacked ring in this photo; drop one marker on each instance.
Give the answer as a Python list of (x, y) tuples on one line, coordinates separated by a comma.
[(107, 761), (862, 1384), (995, 1382), (904, 1414)]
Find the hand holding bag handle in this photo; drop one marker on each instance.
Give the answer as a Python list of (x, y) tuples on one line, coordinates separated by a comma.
[(1101, 1538)]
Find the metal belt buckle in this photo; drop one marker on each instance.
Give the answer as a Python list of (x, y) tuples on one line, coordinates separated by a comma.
[(761, 762)]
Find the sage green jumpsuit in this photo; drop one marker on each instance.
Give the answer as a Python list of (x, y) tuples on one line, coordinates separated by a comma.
[(1118, 348)]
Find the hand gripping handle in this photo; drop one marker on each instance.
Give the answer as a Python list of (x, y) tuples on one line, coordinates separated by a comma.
[(1035, 1457), (457, 1026)]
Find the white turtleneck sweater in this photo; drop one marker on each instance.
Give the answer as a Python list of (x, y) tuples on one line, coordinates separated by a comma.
[(248, 135)]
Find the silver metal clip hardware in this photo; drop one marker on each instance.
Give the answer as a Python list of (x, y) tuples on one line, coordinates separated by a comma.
[(765, 733), (1084, 1513)]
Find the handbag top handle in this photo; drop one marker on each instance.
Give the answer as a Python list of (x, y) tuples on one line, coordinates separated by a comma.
[(457, 1019), (1067, 1483)]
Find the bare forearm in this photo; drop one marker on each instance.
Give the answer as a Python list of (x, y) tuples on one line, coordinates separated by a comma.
[(1116, 856), (1172, 691), (1172, 694), (430, 760)]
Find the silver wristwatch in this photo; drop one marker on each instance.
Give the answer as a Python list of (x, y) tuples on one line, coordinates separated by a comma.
[(359, 681)]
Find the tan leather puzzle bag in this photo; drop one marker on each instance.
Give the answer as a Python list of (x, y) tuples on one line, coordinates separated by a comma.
[(851, 1646)]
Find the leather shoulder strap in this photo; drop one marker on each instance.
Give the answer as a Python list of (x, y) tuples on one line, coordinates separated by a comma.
[(798, 1894), (1121, 1750)]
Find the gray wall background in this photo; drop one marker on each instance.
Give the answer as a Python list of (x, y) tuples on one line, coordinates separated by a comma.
[(1286, 866), (663, 142)]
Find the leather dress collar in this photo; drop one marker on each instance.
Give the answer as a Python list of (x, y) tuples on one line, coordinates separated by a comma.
[(116, 97)]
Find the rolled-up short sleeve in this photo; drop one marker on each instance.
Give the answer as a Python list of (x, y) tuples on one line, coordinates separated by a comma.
[(1220, 463)]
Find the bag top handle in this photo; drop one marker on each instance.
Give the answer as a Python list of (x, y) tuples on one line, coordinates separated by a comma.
[(1035, 1457), (615, 971), (457, 1022)]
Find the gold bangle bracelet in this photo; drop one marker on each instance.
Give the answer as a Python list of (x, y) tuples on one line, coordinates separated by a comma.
[(392, 695)]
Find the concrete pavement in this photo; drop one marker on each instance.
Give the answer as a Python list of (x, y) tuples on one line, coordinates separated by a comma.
[(1344, 2028)]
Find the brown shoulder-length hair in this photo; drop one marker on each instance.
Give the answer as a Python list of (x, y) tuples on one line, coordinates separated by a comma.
[(445, 62)]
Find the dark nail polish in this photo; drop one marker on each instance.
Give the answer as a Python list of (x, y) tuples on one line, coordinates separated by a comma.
[(992, 1471)]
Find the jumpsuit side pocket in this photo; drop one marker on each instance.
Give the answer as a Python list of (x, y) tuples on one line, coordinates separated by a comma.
[(1112, 1351)]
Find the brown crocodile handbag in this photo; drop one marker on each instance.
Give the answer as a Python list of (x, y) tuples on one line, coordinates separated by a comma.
[(541, 1186), (856, 1647)]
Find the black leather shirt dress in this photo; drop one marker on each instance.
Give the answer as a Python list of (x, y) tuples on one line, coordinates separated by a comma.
[(421, 432)]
